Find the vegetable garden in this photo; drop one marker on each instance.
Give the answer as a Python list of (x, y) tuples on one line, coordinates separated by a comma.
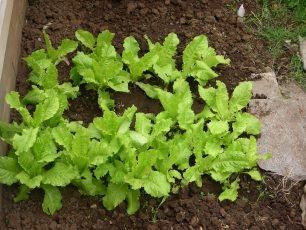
[(123, 158)]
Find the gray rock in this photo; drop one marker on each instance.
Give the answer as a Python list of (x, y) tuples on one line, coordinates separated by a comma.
[(267, 85), (303, 50), (282, 136), (293, 91)]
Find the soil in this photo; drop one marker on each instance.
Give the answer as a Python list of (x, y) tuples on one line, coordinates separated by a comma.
[(269, 205)]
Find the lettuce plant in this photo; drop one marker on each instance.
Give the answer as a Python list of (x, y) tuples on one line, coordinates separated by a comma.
[(119, 157)]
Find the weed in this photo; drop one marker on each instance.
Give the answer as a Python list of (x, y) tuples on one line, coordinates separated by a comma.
[(297, 72), (263, 192), (278, 21)]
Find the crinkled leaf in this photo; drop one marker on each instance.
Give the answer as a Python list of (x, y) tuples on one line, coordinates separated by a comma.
[(133, 203), (34, 96), (255, 175), (115, 194), (86, 38), (231, 192), (9, 168), (60, 174), (130, 57), (218, 127), (104, 100), (241, 96), (46, 109), (52, 200), (62, 136), (150, 90), (8, 131), (23, 142), (156, 184), (31, 182), (23, 193), (13, 100), (44, 148)]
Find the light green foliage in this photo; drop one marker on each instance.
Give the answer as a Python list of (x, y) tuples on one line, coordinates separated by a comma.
[(136, 64), (52, 199), (199, 58), (118, 157)]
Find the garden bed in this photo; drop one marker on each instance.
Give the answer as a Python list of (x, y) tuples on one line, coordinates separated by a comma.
[(260, 205)]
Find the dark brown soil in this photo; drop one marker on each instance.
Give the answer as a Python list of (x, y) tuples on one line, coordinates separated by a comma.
[(260, 206)]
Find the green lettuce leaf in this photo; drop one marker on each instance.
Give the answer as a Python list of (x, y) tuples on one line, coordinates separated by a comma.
[(52, 200), (9, 169), (86, 38)]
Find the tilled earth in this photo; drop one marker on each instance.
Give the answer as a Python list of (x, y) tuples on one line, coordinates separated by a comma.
[(269, 205)]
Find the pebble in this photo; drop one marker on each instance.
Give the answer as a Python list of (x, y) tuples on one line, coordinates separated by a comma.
[(167, 2), (131, 7), (214, 220), (180, 216), (194, 221), (183, 21), (219, 14), (222, 212), (275, 222), (252, 69), (210, 19), (292, 213), (141, 5), (241, 203), (155, 11), (53, 225), (144, 11)]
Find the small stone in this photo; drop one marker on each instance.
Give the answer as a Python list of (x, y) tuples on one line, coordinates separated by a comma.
[(275, 222), (246, 37), (214, 220), (167, 2), (282, 227), (240, 20), (292, 213), (200, 15), (182, 21), (252, 69), (194, 221), (241, 203), (93, 206), (53, 225), (222, 212), (180, 216), (155, 11), (210, 19), (132, 6), (144, 11), (303, 50), (141, 5), (189, 15), (219, 14)]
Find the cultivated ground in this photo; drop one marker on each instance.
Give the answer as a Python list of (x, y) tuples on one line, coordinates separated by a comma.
[(272, 204)]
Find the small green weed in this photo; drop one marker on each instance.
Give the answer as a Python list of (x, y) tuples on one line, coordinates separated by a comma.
[(279, 21), (297, 71)]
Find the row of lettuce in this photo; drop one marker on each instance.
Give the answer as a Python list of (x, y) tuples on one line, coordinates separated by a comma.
[(117, 157)]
